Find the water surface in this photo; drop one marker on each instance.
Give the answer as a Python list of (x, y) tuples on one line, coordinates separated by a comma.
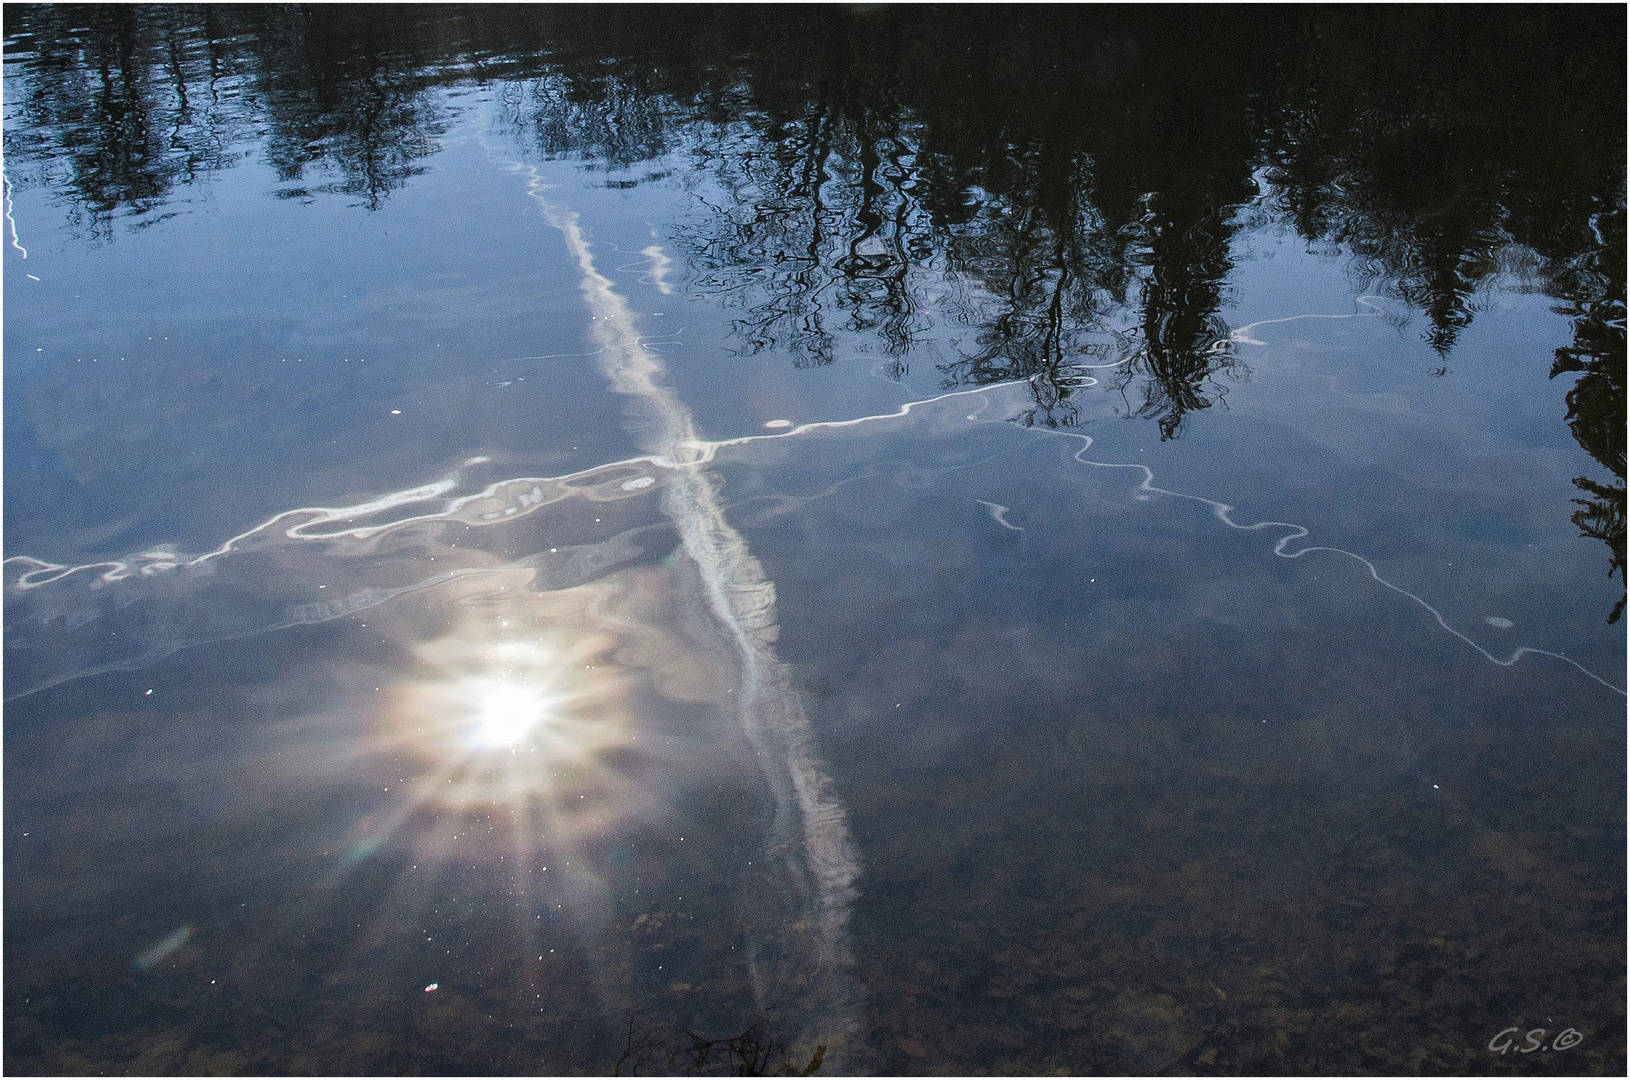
[(1028, 541)]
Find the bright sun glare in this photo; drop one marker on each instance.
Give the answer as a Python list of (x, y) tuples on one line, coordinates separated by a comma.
[(506, 713), (514, 710), (527, 720)]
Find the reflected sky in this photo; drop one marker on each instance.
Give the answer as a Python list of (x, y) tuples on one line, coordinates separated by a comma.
[(1055, 540)]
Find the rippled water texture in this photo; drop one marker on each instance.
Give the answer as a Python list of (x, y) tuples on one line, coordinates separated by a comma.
[(554, 540)]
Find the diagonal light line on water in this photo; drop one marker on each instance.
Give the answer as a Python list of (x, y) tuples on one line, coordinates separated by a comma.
[(808, 817)]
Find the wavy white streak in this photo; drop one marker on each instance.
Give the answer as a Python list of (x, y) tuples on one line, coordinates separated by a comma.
[(301, 615), (657, 266), (1224, 514), (708, 449), (693, 450), (312, 518), (688, 451), (11, 221), (998, 514), (743, 600), (1242, 335)]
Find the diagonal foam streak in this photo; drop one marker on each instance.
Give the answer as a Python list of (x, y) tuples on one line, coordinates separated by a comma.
[(809, 825)]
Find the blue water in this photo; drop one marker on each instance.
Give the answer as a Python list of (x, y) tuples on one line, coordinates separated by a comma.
[(558, 570)]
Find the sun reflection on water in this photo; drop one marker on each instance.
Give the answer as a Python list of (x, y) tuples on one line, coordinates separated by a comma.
[(505, 713), (515, 710), (524, 769), (524, 726)]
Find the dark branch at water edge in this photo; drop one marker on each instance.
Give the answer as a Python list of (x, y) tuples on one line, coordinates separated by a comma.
[(662, 1051)]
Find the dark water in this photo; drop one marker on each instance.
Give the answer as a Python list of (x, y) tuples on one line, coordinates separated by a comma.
[(981, 540)]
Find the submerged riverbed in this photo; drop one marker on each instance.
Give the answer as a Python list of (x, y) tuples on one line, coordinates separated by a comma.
[(946, 541)]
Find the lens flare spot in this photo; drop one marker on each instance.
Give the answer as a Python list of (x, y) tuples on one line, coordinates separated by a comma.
[(160, 952)]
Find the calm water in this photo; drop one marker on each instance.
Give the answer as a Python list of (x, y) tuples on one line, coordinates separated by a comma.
[(972, 541)]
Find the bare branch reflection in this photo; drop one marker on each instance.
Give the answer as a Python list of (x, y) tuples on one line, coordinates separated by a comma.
[(1018, 193)]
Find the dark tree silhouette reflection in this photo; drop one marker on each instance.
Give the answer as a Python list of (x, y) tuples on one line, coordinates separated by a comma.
[(1446, 151), (1013, 191), (121, 105), (1595, 290), (344, 92)]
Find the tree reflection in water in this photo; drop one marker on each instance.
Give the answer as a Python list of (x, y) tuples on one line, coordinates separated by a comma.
[(1014, 191), (1593, 290)]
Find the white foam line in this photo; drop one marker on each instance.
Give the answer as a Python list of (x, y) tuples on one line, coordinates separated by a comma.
[(709, 448), (1224, 513), (999, 513), (316, 516), (301, 615), (547, 356), (1242, 335), (742, 598), (657, 264), (11, 221), (695, 450)]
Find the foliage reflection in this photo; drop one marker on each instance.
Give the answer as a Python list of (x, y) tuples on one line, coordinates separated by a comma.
[(1014, 191)]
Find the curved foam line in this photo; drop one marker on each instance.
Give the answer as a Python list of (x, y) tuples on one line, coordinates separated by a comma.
[(302, 615), (701, 451), (6, 181), (998, 514), (1224, 514), (711, 447), (1242, 335), (316, 516), (694, 451), (656, 262)]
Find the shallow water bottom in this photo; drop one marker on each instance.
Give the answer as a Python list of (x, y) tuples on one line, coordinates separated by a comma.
[(1131, 795)]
